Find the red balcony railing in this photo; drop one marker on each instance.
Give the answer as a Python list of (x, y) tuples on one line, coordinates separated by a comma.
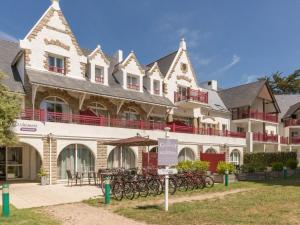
[(99, 79), (284, 140), (42, 115), (295, 140), (133, 86), (191, 95), (156, 91), (292, 122), (246, 114), (56, 69), (265, 137)]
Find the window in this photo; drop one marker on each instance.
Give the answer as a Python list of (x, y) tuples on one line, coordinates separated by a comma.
[(224, 127), (56, 64), (99, 75), (240, 129), (98, 109), (131, 114), (235, 157), (211, 150), (156, 87), (186, 154), (56, 109), (132, 83), (121, 157)]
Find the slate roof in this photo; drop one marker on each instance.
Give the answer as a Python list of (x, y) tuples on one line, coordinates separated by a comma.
[(215, 101), (288, 104), (164, 63), (12, 80), (242, 95), (113, 91)]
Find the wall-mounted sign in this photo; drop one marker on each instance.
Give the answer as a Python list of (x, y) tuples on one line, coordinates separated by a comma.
[(25, 127)]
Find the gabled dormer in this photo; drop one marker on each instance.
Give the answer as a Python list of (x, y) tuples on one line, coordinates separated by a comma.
[(98, 66), (51, 46), (153, 81), (130, 73)]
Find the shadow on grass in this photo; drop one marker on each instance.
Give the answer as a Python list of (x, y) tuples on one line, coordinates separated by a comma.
[(279, 181), (146, 207)]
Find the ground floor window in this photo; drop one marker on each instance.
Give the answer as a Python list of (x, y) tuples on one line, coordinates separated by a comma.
[(211, 150), (235, 157), (186, 154), (76, 158), (121, 157)]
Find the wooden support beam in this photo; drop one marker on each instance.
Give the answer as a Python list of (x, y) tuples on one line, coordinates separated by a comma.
[(150, 111), (120, 106), (81, 100)]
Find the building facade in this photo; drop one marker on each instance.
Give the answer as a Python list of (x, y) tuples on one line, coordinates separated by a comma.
[(75, 99)]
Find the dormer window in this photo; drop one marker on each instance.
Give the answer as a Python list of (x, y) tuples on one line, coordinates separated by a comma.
[(56, 64), (133, 82), (99, 75), (156, 87)]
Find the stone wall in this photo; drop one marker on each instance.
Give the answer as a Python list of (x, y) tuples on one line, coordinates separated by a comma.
[(101, 158), (46, 158)]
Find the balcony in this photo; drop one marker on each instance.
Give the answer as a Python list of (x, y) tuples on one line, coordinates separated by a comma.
[(295, 140), (261, 137), (42, 115), (251, 114), (133, 87), (56, 69), (292, 122), (284, 140), (191, 98), (156, 91), (99, 79)]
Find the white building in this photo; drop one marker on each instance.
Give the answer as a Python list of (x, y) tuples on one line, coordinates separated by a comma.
[(75, 99)]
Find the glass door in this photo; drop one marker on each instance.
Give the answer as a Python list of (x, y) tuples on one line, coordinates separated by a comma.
[(14, 162)]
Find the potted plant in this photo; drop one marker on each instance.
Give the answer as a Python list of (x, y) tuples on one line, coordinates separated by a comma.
[(221, 169), (43, 175)]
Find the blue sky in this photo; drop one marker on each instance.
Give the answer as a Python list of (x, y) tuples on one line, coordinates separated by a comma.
[(233, 41)]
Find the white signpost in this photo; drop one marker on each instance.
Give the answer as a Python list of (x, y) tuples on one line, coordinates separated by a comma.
[(167, 156)]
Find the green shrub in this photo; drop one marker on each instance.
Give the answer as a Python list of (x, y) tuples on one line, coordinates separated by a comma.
[(277, 166), (184, 165), (264, 159), (223, 166), (200, 166), (292, 164)]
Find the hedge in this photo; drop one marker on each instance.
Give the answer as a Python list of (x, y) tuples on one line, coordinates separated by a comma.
[(265, 159)]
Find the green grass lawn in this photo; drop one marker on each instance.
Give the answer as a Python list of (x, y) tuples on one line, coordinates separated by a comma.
[(26, 217), (276, 202)]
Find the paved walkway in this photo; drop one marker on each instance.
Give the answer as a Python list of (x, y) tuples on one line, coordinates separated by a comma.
[(28, 195)]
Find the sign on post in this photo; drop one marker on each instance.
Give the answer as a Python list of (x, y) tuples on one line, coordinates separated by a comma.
[(167, 152), (167, 156)]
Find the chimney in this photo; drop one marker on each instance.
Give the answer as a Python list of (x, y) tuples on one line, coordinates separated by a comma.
[(55, 4), (118, 56), (182, 44), (213, 85)]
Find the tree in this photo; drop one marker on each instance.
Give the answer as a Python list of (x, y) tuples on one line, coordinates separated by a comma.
[(9, 110), (280, 84)]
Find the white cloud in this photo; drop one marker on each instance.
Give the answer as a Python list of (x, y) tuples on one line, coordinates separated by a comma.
[(6, 36), (235, 60)]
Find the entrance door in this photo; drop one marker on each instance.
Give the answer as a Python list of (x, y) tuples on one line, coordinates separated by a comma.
[(2, 163)]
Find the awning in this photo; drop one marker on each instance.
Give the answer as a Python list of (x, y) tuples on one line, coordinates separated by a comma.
[(133, 141)]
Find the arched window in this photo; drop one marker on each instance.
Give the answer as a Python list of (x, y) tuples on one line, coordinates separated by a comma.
[(131, 114), (98, 109), (186, 154), (235, 157), (55, 109), (75, 157), (211, 150), (121, 157), (154, 149)]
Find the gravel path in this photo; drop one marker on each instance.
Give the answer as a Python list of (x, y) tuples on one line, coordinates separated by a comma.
[(83, 214)]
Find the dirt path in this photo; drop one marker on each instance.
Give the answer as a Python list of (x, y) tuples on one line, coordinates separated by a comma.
[(83, 214)]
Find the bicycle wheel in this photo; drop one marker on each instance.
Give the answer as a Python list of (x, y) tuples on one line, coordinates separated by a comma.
[(182, 184), (200, 182), (191, 184), (209, 182), (128, 190), (172, 186), (153, 186), (143, 188), (136, 189), (117, 191)]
